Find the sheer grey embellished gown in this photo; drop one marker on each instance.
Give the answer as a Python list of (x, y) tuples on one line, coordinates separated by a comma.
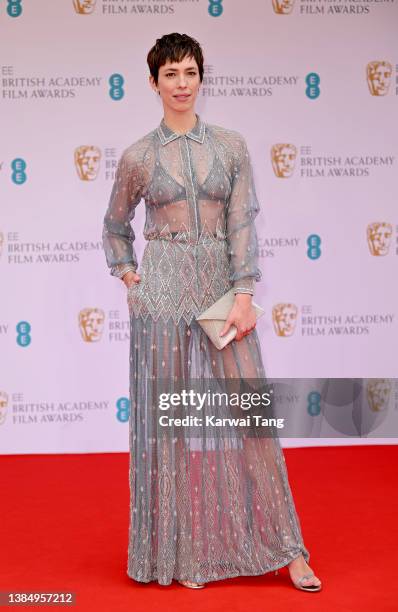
[(201, 508)]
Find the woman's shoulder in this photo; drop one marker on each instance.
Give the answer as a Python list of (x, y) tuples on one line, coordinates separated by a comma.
[(231, 140), (226, 135), (135, 153)]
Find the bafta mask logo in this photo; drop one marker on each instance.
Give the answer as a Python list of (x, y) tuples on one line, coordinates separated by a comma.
[(84, 7), (378, 391), (283, 157), (283, 7), (3, 406), (284, 317), (87, 161), (1, 243), (91, 324), (378, 76), (379, 237)]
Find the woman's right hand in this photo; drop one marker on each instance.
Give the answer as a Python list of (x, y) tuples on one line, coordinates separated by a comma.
[(131, 278)]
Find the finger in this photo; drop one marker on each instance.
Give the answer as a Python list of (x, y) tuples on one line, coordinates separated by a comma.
[(226, 327), (240, 334), (134, 281)]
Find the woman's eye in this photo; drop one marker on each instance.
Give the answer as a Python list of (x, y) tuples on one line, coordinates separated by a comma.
[(170, 74)]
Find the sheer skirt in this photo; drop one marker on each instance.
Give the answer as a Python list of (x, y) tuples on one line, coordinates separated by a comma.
[(209, 506)]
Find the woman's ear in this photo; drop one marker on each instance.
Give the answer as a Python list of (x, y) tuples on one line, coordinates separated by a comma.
[(152, 83)]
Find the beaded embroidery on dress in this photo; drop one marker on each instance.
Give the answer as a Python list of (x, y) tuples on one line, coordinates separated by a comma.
[(201, 509)]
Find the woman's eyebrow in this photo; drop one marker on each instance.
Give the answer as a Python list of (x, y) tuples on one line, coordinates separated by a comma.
[(175, 69)]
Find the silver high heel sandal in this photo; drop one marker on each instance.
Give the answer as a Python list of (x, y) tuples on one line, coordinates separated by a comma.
[(310, 588), (191, 585)]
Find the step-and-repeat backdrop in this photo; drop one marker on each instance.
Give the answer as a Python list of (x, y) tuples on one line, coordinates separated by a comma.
[(313, 87)]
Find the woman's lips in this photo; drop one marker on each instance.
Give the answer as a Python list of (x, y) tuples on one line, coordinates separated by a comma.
[(182, 96)]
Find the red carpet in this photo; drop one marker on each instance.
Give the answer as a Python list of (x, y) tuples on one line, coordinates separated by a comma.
[(65, 522)]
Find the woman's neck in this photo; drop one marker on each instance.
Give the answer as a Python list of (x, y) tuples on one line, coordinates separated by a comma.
[(180, 122)]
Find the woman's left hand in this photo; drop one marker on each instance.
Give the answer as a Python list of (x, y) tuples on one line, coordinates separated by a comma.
[(242, 315)]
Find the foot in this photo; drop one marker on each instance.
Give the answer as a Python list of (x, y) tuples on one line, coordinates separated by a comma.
[(298, 568), (191, 585)]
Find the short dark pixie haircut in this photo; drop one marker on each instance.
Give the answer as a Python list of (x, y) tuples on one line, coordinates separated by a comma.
[(174, 47)]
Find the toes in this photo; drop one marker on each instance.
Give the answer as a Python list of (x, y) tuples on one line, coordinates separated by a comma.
[(311, 582)]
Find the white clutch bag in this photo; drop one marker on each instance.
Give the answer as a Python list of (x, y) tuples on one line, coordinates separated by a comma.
[(212, 320)]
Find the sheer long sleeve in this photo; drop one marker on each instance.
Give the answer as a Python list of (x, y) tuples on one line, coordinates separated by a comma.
[(118, 235), (242, 209)]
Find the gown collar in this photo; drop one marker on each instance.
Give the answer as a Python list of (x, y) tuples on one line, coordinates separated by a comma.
[(197, 133)]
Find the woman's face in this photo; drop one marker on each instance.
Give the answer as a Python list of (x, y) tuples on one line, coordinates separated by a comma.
[(178, 84)]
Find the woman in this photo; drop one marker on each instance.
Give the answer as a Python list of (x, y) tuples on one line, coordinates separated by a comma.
[(199, 510)]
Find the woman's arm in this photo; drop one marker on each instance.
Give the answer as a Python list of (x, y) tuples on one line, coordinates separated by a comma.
[(242, 209), (118, 235)]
